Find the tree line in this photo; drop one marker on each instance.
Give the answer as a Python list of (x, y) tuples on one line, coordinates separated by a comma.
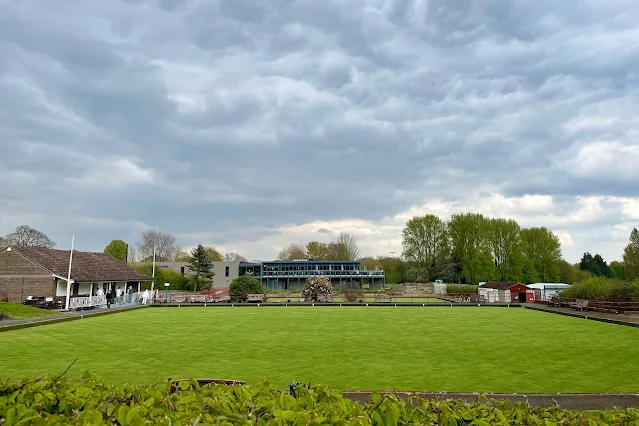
[(468, 248)]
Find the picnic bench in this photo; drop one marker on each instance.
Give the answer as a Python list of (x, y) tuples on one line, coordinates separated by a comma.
[(383, 298), (259, 298), (580, 304)]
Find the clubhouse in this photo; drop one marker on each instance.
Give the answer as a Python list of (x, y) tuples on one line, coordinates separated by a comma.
[(289, 274)]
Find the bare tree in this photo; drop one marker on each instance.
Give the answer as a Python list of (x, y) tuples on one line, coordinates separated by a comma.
[(234, 257), (26, 236), (346, 247), (132, 255), (164, 243), (292, 251)]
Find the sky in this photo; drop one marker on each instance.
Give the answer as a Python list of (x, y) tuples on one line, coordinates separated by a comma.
[(247, 125)]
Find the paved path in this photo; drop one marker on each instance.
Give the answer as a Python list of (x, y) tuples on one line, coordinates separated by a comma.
[(630, 320), (64, 315)]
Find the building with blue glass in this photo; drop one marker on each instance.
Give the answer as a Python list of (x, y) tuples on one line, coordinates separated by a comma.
[(291, 274), (288, 274)]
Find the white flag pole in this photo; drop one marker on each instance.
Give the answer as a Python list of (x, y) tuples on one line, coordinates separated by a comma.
[(66, 308), (153, 282)]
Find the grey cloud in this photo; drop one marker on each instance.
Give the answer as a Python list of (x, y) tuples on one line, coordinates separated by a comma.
[(251, 115)]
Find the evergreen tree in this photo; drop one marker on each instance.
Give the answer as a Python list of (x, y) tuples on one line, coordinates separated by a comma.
[(200, 266), (631, 256)]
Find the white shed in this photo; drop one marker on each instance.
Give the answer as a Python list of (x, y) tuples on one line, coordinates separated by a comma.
[(546, 291)]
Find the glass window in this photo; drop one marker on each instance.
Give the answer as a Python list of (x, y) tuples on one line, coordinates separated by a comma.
[(228, 271)]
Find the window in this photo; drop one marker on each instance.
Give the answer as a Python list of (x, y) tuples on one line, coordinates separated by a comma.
[(182, 270), (228, 271)]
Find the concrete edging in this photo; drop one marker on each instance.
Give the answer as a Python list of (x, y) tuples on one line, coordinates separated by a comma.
[(584, 316), (335, 305), (65, 319), (578, 401)]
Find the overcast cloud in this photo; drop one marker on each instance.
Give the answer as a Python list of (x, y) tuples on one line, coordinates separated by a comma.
[(250, 124)]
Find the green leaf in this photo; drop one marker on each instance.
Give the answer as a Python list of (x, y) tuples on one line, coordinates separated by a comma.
[(122, 413)]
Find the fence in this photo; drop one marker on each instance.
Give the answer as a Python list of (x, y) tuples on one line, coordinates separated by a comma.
[(87, 302)]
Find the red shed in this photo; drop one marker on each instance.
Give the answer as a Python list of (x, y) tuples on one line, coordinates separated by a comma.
[(518, 292)]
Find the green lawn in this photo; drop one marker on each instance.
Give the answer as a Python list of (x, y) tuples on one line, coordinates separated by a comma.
[(365, 348), (18, 311)]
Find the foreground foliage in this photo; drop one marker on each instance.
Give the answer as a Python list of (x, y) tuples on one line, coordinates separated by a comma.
[(49, 401)]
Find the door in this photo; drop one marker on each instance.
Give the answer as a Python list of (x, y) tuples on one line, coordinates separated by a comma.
[(522, 297)]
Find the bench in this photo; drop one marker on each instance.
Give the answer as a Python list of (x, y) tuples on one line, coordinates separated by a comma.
[(382, 298), (222, 298), (255, 298), (580, 304)]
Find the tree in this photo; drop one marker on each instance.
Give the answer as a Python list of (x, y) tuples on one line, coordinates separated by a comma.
[(292, 251), (506, 249), (346, 247), (319, 251), (617, 270), (181, 255), (631, 255), (423, 238), (596, 265), (417, 275), (25, 236), (530, 274), (243, 285), (215, 255), (132, 255), (164, 244), (314, 287), (567, 272), (234, 257), (117, 249), (541, 246), (200, 266), (471, 235)]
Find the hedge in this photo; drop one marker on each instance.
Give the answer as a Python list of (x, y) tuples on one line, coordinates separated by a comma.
[(604, 289), (47, 401), (461, 289)]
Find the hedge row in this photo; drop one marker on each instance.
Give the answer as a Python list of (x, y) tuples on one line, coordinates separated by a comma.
[(91, 401), (604, 289), (461, 289)]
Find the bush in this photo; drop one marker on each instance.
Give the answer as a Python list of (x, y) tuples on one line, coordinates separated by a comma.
[(241, 286), (461, 289), (351, 290), (92, 401), (315, 286), (604, 289)]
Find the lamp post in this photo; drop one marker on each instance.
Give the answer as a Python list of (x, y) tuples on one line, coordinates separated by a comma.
[(166, 292)]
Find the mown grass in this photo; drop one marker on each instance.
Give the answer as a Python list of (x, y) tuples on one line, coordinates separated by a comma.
[(18, 311), (348, 348)]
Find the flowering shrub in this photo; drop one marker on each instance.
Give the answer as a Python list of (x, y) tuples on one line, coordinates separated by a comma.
[(314, 287)]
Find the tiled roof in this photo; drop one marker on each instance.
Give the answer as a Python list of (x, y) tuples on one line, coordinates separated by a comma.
[(499, 285), (97, 267)]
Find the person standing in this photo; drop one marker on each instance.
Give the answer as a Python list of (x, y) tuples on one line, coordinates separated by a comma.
[(109, 298)]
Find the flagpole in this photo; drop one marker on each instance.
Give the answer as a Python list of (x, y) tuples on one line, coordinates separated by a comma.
[(66, 308), (153, 282)]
